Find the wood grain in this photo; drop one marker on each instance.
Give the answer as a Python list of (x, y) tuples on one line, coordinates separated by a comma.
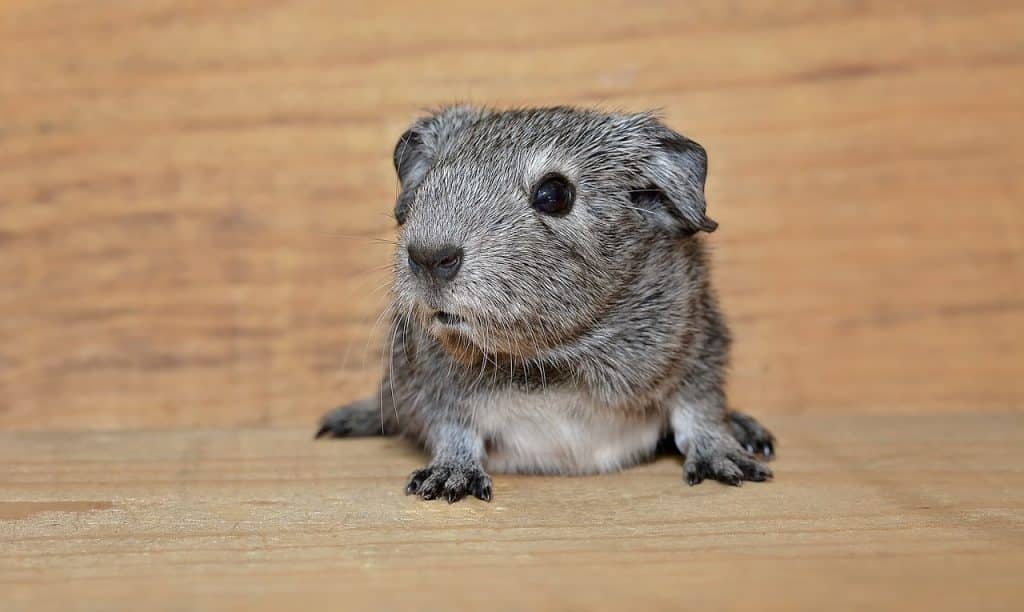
[(194, 195), (866, 512)]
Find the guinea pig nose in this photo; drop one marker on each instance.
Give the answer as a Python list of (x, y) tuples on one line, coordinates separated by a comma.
[(442, 263)]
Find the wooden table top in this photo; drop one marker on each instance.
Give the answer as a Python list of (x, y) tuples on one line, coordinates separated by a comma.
[(866, 512)]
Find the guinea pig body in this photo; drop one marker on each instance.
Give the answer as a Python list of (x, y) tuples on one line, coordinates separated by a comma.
[(551, 310)]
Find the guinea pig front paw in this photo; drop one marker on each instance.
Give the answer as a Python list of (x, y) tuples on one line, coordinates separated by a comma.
[(723, 460), (450, 481)]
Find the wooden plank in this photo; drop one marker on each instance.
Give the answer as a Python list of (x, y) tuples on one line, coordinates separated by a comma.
[(866, 512), (193, 195)]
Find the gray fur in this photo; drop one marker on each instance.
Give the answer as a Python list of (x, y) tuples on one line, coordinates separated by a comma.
[(588, 337)]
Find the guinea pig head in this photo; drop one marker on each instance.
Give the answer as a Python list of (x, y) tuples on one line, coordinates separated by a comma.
[(520, 229)]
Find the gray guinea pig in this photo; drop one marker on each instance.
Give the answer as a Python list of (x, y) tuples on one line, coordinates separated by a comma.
[(552, 311)]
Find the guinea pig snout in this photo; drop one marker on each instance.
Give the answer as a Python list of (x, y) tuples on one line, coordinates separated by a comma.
[(437, 263)]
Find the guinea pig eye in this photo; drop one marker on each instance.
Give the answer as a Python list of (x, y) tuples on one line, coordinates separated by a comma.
[(554, 195)]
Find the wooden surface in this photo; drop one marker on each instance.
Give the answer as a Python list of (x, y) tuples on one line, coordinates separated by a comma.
[(191, 192), (866, 512)]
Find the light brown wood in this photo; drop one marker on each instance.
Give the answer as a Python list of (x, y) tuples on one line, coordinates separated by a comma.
[(191, 193), (866, 512)]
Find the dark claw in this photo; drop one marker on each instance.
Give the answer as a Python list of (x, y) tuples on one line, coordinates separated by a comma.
[(321, 432), (430, 489), (455, 495), (416, 480), (696, 472), (735, 480), (756, 475), (752, 470), (481, 488)]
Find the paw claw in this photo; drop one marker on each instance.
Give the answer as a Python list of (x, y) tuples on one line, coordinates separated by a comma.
[(695, 472), (480, 486), (416, 481)]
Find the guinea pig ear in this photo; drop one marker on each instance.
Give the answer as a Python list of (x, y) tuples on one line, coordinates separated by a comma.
[(411, 163), (420, 145), (674, 196)]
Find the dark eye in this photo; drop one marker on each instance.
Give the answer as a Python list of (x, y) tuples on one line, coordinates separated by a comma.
[(554, 195)]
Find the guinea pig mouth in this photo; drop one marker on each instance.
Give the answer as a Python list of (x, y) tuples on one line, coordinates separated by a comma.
[(448, 319)]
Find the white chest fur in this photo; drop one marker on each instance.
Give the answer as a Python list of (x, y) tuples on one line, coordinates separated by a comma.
[(557, 433)]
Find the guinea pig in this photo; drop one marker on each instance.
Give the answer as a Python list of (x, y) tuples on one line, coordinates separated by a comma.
[(551, 309)]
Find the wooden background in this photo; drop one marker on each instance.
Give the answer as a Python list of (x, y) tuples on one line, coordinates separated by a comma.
[(193, 194)]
